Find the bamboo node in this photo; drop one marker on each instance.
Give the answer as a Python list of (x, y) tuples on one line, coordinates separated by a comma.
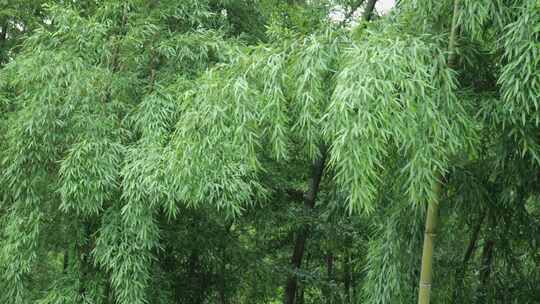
[(425, 285)]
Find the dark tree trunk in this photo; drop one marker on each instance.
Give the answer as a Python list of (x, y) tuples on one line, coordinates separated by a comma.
[(309, 201), (330, 266), (222, 295), (368, 11), (329, 259), (301, 299), (296, 261), (461, 271), (66, 261), (354, 276), (347, 276), (485, 270), (3, 34), (487, 259), (302, 235), (108, 293)]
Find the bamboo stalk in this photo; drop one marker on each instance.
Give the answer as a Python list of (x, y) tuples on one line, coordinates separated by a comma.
[(426, 270)]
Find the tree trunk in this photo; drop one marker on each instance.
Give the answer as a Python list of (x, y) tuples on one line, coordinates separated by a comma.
[(487, 258), (347, 276), (107, 292), (461, 271), (301, 299), (354, 277), (3, 36), (302, 235), (485, 271), (330, 266), (309, 201), (65, 261), (222, 295), (368, 11), (329, 259)]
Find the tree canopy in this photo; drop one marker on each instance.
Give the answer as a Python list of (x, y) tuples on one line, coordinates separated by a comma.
[(241, 151)]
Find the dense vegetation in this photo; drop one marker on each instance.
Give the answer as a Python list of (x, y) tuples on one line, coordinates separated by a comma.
[(243, 151)]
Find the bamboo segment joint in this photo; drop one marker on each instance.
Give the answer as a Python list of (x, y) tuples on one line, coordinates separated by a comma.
[(432, 234), (424, 285)]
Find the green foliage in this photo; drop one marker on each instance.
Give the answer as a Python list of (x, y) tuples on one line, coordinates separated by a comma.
[(519, 77), (168, 152), (395, 92)]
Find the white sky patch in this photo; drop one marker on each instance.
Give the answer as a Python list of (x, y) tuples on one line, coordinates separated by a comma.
[(382, 7)]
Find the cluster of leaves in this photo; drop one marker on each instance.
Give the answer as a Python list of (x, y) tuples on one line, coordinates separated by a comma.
[(160, 152)]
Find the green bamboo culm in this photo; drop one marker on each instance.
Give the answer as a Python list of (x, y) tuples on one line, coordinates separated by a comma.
[(426, 272)]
